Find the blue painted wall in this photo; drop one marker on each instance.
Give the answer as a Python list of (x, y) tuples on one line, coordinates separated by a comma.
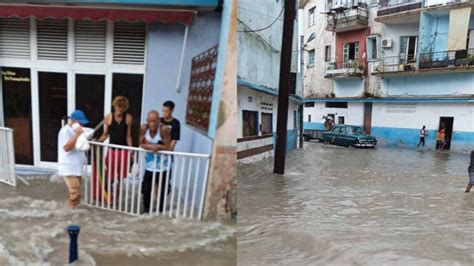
[(163, 58), (409, 137), (433, 36), (440, 85), (313, 125)]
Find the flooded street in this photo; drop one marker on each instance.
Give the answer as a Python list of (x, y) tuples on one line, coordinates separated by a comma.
[(339, 206), (32, 232)]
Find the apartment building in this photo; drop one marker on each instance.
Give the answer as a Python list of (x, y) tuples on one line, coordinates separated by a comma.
[(258, 77), (397, 65)]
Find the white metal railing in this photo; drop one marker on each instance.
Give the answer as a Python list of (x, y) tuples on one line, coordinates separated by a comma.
[(7, 157), (115, 181)]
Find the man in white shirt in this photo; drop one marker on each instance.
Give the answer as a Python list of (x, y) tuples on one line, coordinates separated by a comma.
[(70, 160)]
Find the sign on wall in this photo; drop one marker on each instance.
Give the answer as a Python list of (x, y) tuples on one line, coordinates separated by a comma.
[(401, 108), (203, 72)]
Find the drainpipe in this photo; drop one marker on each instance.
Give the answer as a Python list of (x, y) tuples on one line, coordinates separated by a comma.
[(185, 40)]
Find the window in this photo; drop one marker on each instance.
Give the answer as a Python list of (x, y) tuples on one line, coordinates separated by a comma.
[(311, 58), (372, 47), (336, 105), (408, 49), (351, 51), (309, 118), (309, 104), (249, 123), (340, 120), (311, 16), (470, 39), (267, 123), (327, 53)]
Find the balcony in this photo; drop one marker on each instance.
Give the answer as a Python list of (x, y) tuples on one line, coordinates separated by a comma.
[(345, 70), (428, 63), (399, 11), (347, 17)]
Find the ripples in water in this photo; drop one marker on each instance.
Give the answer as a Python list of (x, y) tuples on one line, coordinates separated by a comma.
[(347, 206)]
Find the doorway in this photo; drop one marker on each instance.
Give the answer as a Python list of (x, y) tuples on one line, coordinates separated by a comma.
[(367, 118), (131, 86), (16, 94), (90, 91), (447, 123), (52, 109)]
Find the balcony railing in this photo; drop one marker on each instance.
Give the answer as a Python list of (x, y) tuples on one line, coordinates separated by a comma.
[(395, 64), (442, 59), (436, 60), (348, 16), (395, 6), (344, 69)]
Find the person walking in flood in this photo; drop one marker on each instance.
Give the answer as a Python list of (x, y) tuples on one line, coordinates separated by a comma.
[(423, 134), (441, 138), (154, 137), (70, 160), (470, 170), (118, 129)]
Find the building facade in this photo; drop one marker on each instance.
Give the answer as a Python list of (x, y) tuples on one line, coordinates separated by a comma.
[(55, 58), (397, 65), (258, 78)]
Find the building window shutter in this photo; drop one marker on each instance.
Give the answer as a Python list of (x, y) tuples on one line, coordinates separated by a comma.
[(129, 43), (15, 38), (52, 39), (90, 41)]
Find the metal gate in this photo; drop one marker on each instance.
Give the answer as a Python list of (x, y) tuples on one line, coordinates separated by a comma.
[(7, 157), (115, 181)]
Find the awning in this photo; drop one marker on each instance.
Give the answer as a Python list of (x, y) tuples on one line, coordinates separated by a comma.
[(98, 13)]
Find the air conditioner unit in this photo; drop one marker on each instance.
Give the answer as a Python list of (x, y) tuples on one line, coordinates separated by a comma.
[(386, 43)]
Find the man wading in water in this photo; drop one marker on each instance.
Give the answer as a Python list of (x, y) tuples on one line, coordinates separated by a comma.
[(155, 136), (471, 173), (70, 160), (118, 128)]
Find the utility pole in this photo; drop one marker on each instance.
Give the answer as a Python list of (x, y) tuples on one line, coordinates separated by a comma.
[(284, 86)]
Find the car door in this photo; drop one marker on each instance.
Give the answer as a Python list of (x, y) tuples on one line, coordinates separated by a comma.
[(335, 135), (341, 137)]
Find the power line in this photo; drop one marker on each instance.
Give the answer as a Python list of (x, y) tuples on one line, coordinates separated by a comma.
[(262, 29)]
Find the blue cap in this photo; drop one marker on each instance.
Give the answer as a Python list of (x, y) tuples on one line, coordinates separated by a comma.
[(80, 117)]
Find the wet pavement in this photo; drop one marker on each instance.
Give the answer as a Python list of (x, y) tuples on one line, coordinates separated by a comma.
[(339, 206), (32, 232)]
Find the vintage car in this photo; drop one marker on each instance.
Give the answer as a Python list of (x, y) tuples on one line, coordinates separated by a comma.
[(349, 136)]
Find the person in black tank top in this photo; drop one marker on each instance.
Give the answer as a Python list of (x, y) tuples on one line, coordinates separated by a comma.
[(118, 128)]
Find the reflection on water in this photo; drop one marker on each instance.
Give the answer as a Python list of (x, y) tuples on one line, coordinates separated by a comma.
[(347, 206), (33, 221)]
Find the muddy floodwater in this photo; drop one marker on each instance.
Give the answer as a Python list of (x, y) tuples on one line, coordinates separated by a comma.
[(339, 206), (32, 232)]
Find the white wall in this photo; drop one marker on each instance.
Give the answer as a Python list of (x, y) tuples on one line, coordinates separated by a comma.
[(353, 114), (315, 85), (259, 52), (244, 103), (416, 115)]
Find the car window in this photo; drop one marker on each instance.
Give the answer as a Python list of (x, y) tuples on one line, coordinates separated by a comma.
[(354, 130), (342, 130)]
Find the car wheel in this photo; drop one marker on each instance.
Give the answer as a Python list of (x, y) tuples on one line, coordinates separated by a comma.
[(350, 144)]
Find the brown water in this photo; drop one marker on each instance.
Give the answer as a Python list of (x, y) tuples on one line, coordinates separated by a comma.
[(339, 206), (32, 232)]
